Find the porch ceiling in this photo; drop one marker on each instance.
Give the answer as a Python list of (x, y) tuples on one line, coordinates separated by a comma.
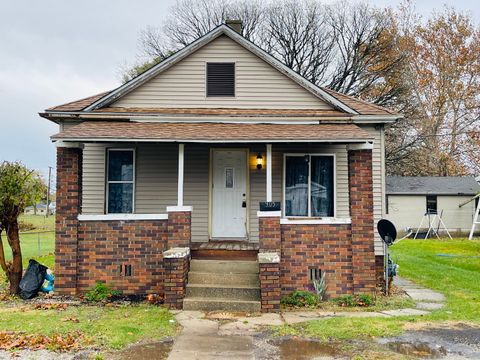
[(212, 132)]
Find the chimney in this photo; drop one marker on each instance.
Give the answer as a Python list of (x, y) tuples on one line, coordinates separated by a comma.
[(236, 25)]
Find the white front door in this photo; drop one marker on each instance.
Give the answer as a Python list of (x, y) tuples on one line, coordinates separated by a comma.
[(229, 190)]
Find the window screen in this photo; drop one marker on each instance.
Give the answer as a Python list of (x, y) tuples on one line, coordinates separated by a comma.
[(120, 175), (220, 79)]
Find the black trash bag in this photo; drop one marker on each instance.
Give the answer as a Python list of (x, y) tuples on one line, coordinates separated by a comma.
[(32, 280)]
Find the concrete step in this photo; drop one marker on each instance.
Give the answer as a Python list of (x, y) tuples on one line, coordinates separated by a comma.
[(195, 277), (224, 266), (223, 292), (202, 304)]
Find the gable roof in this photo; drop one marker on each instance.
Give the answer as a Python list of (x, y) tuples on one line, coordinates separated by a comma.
[(434, 185), (345, 104), (202, 41)]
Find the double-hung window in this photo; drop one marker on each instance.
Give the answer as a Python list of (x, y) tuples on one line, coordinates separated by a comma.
[(120, 180), (309, 185)]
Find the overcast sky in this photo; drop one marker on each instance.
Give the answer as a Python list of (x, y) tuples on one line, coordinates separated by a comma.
[(54, 51)]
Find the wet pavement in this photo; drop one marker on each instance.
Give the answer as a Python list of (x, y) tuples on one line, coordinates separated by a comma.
[(459, 341)]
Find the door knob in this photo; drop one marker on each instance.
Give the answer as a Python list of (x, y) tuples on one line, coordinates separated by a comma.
[(244, 204)]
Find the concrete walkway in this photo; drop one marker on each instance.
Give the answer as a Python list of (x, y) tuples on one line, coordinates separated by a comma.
[(233, 338)]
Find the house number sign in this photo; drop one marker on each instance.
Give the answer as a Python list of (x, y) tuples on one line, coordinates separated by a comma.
[(269, 206)]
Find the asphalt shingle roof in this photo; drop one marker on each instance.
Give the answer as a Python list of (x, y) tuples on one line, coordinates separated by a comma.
[(435, 185), (175, 131)]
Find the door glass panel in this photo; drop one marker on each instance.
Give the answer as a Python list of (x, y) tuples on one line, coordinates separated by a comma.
[(296, 186), (229, 178), (322, 185)]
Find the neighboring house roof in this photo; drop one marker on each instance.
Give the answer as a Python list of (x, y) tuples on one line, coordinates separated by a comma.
[(440, 185), (211, 132), (343, 103)]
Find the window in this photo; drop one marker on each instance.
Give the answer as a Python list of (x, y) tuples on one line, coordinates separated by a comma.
[(309, 185), (220, 79), (431, 204), (120, 180)]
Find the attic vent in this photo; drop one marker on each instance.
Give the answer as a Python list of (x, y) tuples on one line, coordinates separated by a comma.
[(220, 79)]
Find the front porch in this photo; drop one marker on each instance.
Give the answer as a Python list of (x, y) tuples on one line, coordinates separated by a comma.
[(137, 220)]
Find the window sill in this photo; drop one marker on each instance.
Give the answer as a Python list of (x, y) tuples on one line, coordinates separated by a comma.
[(120, 217), (316, 221)]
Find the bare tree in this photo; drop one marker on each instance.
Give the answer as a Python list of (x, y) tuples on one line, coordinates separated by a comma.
[(298, 34)]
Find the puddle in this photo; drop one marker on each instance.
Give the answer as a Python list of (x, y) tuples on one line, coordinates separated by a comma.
[(418, 349), (157, 351), (302, 349)]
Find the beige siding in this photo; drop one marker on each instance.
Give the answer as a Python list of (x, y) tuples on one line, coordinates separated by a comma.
[(258, 85), (156, 180), (93, 181), (455, 218), (378, 177), (407, 211)]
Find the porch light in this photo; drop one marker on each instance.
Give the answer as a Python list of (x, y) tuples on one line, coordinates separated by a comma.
[(259, 161)]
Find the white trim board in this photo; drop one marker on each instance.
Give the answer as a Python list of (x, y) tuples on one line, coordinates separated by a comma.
[(122, 217), (323, 221)]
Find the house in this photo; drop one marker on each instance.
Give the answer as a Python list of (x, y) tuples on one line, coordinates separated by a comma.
[(40, 209), (409, 198), (219, 155)]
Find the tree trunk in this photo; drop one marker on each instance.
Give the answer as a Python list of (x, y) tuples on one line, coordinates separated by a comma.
[(17, 269)]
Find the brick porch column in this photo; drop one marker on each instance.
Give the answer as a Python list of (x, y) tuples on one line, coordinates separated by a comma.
[(69, 178), (179, 226), (270, 236), (361, 212), (176, 263), (270, 288)]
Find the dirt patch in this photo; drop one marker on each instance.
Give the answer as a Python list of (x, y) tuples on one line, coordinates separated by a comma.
[(156, 350)]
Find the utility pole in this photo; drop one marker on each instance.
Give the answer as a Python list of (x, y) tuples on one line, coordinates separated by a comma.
[(48, 191)]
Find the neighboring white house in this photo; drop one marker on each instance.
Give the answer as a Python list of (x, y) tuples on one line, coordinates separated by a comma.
[(408, 198), (41, 209)]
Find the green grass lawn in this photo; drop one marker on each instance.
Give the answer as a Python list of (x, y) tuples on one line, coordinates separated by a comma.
[(456, 277), (107, 327), (40, 222)]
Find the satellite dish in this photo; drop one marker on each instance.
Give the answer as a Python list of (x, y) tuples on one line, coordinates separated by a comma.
[(387, 231)]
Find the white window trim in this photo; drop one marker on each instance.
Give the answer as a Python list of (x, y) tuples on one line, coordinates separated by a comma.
[(107, 182), (221, 97), (121, 217), (309, 217)]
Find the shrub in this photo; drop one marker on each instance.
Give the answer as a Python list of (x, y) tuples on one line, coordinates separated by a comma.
[(25, 226), (354, 300), (101, 292), (300, 298)]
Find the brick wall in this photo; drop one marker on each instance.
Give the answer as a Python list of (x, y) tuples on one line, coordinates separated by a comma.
[(69, 165), (380, 272), (105, 247), (270, 288), (270, 237), (176, 264), (327, 247), (179, 228), (361, 212)]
